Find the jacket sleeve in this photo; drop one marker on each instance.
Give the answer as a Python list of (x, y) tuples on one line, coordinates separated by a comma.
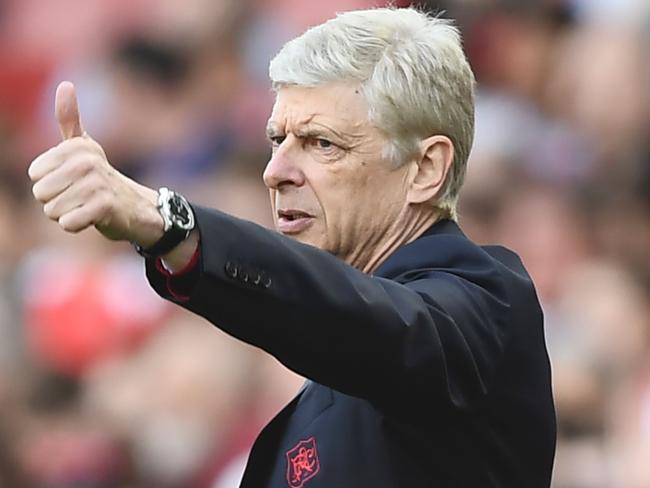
[(431, 335)]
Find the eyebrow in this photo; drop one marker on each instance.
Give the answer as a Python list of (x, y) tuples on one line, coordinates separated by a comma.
[(341, 136), (314, 132), (312, 129)]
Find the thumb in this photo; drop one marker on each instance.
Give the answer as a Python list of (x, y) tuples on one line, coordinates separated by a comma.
[(66, 111)]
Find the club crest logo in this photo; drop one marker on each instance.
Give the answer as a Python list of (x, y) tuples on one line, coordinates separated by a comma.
[(302, 463)]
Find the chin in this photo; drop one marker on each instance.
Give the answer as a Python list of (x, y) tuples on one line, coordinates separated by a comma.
[(311, 240), (305, 239)]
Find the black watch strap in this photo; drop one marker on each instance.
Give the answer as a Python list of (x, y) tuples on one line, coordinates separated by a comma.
[(172, 238)]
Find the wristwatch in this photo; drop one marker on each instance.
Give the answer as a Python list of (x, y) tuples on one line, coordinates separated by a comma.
[(178, 217)]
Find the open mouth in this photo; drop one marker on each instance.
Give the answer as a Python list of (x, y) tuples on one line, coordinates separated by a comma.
[(291, 215), (291, 221)]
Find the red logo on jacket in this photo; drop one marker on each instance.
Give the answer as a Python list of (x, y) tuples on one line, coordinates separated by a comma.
[(302, 463)]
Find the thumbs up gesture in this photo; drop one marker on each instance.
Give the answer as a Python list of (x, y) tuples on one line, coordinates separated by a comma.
[(79, 188), (66, 110)]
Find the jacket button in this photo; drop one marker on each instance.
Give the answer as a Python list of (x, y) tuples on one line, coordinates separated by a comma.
[(267, 282), (257, 279), (231, 270)]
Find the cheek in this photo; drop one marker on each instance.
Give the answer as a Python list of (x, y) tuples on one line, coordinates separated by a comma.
[(349, 195), (355, 206), (380, 196)]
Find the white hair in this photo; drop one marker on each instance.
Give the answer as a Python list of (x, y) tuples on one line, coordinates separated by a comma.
[(413, 73)]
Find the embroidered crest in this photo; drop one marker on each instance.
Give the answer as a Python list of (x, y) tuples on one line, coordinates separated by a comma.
[(302, 463)]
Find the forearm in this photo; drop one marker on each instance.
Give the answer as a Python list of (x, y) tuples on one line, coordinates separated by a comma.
[(361, 335)]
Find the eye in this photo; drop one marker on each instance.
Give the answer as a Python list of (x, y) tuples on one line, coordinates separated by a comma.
[(276, 140), (324, 148), (322, 144)]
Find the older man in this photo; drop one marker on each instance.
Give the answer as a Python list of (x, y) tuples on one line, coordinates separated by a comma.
[(425, 353)]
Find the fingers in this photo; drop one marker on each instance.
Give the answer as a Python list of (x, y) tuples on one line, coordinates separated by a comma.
[(81, 205), (82, 217), (74, 195), (66, 110), (45, 163), (54, 157), (80, 175), (61, 178)]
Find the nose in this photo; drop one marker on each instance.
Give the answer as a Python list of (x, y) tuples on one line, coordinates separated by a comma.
[(283, 169)]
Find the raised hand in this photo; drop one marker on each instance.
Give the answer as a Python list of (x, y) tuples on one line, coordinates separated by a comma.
[(79, 188)]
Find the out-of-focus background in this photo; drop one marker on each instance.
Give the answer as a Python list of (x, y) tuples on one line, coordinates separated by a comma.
[(102, 384)]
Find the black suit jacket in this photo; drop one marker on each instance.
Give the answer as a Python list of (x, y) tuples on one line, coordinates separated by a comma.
[(432, 372)]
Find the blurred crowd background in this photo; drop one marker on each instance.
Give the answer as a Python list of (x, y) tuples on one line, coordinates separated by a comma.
[(102, 384)]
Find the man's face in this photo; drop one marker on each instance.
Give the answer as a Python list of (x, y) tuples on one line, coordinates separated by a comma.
[(329, 185)]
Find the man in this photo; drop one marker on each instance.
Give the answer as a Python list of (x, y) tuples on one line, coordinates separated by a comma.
[(425, 353)]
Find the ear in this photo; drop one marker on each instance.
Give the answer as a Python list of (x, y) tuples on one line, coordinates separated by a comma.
[(431, 167)]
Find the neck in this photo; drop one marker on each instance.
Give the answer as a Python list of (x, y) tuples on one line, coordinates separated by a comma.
[(401, 232)]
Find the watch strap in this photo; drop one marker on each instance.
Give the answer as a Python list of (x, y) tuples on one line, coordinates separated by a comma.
[(170, 202), (170, 239)]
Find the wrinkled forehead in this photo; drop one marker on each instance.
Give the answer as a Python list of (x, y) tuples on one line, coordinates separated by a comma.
[(341, 106)]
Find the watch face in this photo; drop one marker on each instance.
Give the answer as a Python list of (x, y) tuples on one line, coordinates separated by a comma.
[(180, 212)]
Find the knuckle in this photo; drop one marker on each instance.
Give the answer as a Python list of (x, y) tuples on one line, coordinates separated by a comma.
[(64, 148), (36, 191), (72, 222), (69, 226), (95, 147), (105, 205), (48, 210), (31, 171), (83, 166), (86, 145), (66, 224), (90, 167), (36, 168), (88, 184), (95, 184)]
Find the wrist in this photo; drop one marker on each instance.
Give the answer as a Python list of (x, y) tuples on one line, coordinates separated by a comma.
[(180, 257), (178, 222), (147, 225)]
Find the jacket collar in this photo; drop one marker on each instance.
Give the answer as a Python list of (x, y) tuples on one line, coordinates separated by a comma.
[(443, 226), (410, 254)]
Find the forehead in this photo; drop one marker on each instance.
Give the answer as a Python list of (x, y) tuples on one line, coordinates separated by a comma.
[(340, 106)]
